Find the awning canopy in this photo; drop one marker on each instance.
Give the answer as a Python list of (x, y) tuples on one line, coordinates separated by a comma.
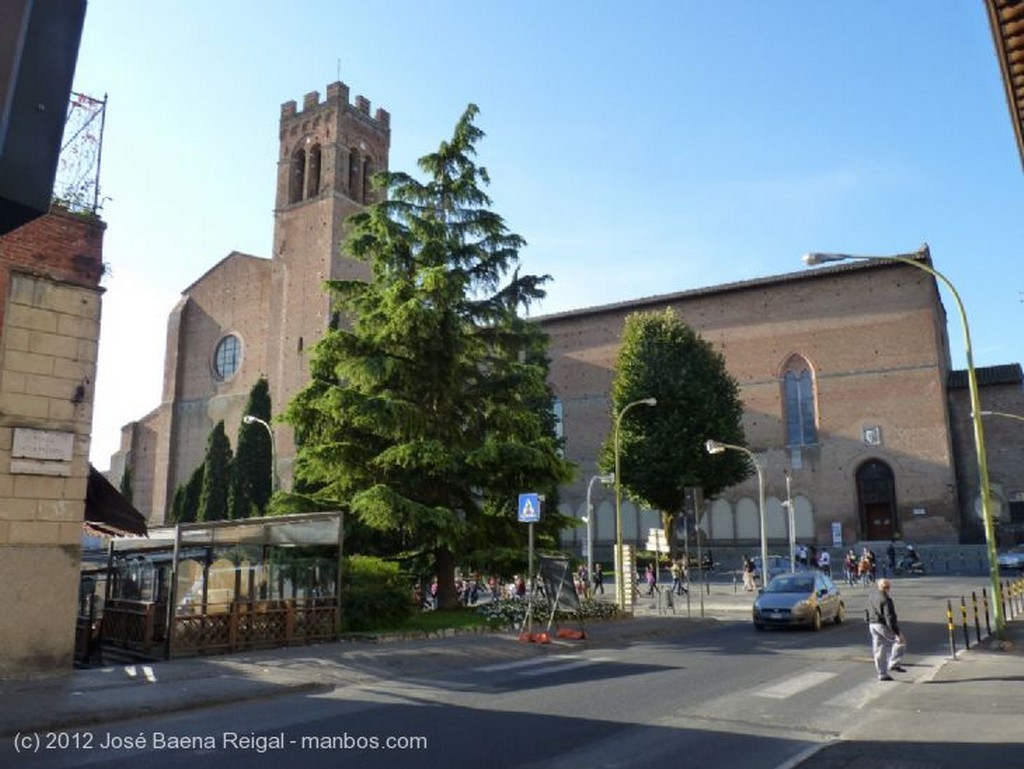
[(107, 511), (298, 530), (1007, 20)]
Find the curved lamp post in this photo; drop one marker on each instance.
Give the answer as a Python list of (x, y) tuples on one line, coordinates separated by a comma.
[(589, 520), (914, 260), (1002, 414), (716, 447), (249, 419), (620, 576)]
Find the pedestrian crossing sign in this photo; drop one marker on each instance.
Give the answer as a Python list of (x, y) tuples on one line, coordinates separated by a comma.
[(529, 508)]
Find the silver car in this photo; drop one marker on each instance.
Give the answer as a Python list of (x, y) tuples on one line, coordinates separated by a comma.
[(804, 599), (1012, 559)]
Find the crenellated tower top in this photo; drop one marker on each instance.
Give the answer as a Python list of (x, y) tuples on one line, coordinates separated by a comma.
[(331, 146)]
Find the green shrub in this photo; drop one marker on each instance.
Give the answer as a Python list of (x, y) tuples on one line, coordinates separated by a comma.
[(510, 612), (374, 594)]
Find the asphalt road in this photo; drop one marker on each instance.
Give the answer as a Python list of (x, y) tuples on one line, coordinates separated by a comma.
[(713, 694)]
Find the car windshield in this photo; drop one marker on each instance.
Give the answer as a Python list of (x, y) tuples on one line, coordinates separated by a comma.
[(791, 583)]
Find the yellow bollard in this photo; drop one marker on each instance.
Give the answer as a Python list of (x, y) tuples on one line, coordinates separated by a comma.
[(949, 625)]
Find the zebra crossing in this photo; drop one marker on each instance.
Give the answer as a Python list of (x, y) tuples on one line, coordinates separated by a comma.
[(856, 697)]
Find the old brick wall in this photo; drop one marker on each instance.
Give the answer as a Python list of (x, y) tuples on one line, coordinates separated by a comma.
[(875, 339)]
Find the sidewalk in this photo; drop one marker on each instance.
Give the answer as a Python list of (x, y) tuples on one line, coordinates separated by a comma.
[(119, 692), (967, 714), (969, 709)]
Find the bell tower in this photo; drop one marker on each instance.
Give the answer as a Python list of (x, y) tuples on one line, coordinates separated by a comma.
[(328, 152)]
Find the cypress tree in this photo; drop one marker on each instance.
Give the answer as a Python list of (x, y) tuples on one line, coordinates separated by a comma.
[(213, 502)]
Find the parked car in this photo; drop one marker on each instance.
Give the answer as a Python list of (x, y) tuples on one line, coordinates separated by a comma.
[(1012, 559), (806, 598)]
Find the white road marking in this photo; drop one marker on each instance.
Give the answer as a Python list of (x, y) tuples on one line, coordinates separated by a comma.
[(525, 663), (562, 668), (794, 685)]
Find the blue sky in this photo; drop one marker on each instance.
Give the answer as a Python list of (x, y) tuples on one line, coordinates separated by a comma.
[(639, 148)]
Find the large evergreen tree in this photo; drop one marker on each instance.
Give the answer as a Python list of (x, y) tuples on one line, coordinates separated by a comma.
[(252, 471), (213, 502), (430, 413), (661, 448)]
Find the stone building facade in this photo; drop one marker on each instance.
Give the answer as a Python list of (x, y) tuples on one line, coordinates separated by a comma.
[(844, 371), (50, 271)]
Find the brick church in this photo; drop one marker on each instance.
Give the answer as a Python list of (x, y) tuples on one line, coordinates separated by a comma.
[(851, 403)]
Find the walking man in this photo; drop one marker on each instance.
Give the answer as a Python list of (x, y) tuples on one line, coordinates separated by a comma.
[(887, 642)]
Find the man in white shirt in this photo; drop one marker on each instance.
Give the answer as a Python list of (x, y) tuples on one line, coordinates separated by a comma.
[(825, 562)]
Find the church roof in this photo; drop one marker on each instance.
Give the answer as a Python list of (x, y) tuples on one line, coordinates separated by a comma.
[(854, 265), (1007, 374), (234, 255)]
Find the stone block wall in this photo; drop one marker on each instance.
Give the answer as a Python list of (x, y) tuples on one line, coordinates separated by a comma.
[(50, 301)]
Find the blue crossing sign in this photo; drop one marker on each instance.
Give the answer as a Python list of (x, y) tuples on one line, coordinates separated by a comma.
[(529, 508)]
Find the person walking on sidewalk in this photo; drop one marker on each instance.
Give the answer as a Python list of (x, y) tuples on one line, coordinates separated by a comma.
[(651, 579), (887, 642), (748, 574)]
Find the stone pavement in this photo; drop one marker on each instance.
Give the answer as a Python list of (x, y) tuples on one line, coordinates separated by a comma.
[(963, 714)]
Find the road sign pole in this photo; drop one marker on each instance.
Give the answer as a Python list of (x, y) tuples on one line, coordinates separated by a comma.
[(530, 582)]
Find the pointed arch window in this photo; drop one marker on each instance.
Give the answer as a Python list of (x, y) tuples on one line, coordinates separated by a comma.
[(367, 186), (799, 403), (354, 190), (313, 175), (297, 176)]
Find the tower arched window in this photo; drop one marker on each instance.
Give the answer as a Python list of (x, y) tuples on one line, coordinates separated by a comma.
[(799, 403), (367, 173), (297, 176), (313, 172), (354, 190)]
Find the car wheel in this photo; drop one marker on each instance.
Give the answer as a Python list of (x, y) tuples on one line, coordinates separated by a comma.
[(759, 626), (840, 613), (816, 620)]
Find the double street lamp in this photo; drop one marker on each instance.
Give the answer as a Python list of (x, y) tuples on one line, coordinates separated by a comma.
[(915, 260), (249, 419), (717, 447), (620, 572)]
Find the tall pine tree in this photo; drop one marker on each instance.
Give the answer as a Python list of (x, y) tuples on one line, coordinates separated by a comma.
[(429, 415)]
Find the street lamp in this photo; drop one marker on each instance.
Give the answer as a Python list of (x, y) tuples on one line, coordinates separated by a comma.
[(589, 520), (717, 447), (249, 419), (914, 260), (620, 576), (1002, 414)]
